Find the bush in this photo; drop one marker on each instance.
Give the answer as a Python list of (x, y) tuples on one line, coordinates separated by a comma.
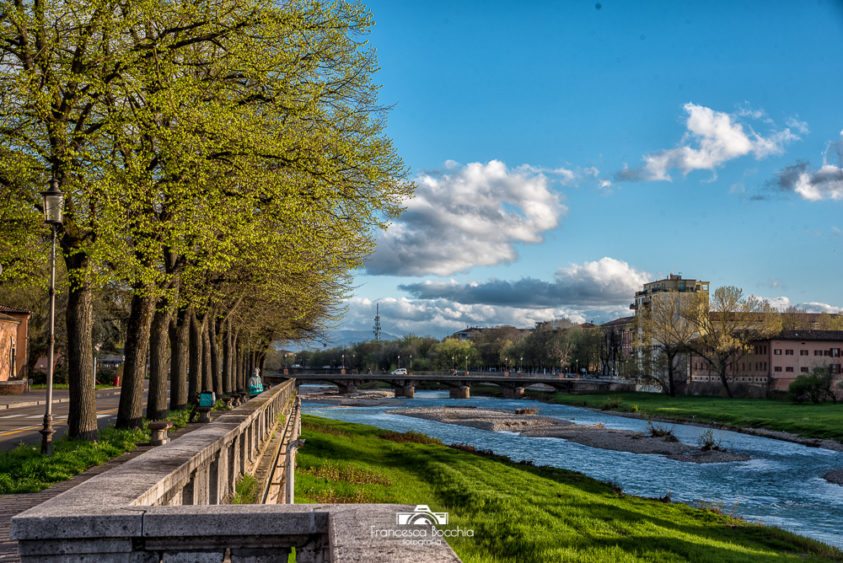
[(708, 442), (814, 387), (611, 403)]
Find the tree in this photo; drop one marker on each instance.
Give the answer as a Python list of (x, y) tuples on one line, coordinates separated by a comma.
[(451, 353), (726, 327), (666, 332), (816, 386), (169, 126)]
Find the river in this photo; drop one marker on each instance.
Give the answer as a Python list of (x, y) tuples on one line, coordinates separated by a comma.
[(781, 485)]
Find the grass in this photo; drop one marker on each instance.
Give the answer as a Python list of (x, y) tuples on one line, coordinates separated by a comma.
[(25, 470), (246, 490), (524, 513), (808, 420)]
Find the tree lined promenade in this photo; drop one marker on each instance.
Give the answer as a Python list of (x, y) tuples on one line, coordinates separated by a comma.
[(224, 167)]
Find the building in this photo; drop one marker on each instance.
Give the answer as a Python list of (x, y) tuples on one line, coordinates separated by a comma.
[(14, 342), (673, 283), (774, 363)]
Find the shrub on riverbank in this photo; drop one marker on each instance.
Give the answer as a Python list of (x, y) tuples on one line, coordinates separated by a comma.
[(522, 513)]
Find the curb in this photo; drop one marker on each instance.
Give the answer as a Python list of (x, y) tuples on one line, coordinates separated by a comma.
[(40, 402)]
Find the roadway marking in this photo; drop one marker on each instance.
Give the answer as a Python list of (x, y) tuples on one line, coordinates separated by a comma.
[(12, 416), (25, 428)]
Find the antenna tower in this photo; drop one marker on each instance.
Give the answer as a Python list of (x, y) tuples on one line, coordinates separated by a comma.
[(377, 328)]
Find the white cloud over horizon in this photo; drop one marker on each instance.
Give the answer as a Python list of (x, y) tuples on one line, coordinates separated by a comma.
[(442, 317), (471, 215), (782, 303), (712, 139), (604, 282)]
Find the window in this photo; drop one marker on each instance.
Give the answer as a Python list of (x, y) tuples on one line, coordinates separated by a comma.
[(777, 368), (803, 352), (803, 370), (777, 352), (788, 352), (818, 352), (788, 369)]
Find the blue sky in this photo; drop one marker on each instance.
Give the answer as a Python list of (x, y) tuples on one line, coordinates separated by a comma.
[(567, 152)]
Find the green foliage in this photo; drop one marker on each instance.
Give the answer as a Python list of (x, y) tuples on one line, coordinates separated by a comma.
[(524, 513), (246, 490), (815, 387)]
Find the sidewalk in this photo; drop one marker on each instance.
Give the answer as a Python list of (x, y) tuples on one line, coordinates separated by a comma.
[(10, 505), (39, 397)]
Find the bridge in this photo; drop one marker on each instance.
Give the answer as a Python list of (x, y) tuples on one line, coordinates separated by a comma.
[(459, 386)]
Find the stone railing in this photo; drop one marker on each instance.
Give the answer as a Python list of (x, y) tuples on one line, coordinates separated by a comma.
[(150, 509)]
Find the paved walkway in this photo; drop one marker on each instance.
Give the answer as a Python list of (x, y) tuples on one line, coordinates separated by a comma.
[(11, 505)]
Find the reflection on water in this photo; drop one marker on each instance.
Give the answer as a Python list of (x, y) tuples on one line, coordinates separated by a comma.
[(780, 485)]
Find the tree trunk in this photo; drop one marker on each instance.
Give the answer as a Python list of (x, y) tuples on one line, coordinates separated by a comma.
[(130, 412), (207, 368), (216, 367), (195, 379), (82, 417), (671, 387), (724, 380), (179, 349), (156, 405), (227, 386)]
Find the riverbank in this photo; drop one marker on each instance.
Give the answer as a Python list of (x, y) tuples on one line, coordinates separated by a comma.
[(660, 442), (518, 512), (806, 423)]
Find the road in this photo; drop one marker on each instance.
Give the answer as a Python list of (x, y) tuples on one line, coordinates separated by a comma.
[(23, 423)]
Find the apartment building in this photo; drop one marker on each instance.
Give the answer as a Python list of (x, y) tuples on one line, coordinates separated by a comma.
[(774, 363), (673, 283)]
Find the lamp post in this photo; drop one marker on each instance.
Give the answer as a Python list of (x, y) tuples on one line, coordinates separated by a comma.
[(466, 364), (521, 365), (411, 362), (399, 360), (53, 204)]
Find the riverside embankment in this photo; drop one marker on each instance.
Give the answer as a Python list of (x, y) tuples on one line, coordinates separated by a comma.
[(780, 485), (500, 510)]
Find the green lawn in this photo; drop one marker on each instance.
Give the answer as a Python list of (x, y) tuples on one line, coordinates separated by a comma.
[(805, 419), (523, 513), (25, 470)]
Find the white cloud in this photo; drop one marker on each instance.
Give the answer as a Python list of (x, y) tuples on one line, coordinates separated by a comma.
[(815, 185), (782, 303), (605, 282), (712, 138), (470, 216)]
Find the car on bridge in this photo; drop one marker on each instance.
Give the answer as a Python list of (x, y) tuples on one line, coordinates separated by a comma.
[(399, 371)]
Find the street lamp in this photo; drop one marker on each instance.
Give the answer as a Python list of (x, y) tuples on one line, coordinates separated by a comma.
[(53, 205), (521, 365), (411, 362), (399, 360), (466, 364), (343, 361)]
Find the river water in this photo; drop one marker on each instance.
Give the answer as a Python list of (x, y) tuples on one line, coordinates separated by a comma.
[(781, 485)]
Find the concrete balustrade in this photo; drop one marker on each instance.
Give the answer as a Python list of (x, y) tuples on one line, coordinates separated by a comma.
[(167, 505)]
